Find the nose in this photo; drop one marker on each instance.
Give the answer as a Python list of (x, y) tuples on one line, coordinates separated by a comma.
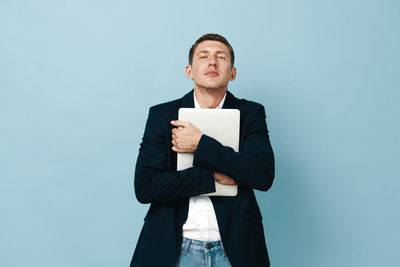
[(212, 61)]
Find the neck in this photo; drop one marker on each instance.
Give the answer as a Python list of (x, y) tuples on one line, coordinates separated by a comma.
[(209, 98)]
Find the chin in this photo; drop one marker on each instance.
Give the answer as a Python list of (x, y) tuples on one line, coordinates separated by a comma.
[(212, 85), (212, 88)]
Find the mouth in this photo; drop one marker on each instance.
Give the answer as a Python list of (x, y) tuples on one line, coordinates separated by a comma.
[(211, 73)]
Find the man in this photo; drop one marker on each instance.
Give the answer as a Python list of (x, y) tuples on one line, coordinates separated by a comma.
[(182, 228)]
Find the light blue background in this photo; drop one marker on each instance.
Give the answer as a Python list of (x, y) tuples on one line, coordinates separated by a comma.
[(77, 79)]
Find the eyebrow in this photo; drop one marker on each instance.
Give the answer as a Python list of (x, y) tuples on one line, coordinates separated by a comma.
[(207, 52)]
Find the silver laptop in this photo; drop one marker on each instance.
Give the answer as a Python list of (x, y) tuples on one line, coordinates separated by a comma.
[(220, 124)]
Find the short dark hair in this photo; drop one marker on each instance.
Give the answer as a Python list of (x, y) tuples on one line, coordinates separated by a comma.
[(211, 37)]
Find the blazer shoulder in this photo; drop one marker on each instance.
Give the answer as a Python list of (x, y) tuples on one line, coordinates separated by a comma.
[(250, 107), (173, 104), (167, 110)]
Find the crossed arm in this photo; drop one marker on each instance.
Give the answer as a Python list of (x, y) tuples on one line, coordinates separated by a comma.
[(185, 139), (252, 167)]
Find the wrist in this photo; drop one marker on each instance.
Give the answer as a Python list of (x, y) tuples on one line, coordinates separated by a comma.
[(198, 141)]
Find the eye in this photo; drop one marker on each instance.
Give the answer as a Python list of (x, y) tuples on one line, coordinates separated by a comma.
[(202, 56), (221, 57)]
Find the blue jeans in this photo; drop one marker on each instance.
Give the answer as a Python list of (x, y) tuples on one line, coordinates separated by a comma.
[(195, 253)]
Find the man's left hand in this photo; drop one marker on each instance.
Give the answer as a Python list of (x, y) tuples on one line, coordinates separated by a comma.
[(185, 138)]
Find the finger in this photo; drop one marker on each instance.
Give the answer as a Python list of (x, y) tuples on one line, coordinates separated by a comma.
[(177, 150), (175, 133), (176, 144), (174, 130), (179, 123)]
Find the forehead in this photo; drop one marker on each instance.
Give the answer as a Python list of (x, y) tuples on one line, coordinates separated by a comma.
[(212, 46)]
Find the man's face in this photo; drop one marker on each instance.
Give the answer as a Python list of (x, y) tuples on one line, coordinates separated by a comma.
[(211, 66)]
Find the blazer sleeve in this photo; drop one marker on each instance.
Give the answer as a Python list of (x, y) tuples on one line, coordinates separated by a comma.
[(253, 166), (153, 181)]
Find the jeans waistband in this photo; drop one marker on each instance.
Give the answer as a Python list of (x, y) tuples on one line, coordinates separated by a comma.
[(202, 246)]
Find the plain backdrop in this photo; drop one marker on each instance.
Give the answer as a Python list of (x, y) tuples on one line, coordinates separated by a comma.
[(77, 79)]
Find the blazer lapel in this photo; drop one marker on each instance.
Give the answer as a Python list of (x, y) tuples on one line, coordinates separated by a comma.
[(188, 100), (230, 101)]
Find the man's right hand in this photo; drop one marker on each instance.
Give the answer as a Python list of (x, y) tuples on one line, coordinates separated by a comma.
[(224, 179)]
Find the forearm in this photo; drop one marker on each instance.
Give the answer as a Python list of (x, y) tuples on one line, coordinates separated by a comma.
[(152, 185), (155, 181), (255, 170)]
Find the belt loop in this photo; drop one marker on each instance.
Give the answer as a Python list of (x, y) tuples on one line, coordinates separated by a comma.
[(223, 250), (187, 244)]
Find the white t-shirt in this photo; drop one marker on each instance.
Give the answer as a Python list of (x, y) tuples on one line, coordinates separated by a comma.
[(201, 223)]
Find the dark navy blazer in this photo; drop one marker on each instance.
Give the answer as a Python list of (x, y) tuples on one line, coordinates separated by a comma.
[(158, 182)]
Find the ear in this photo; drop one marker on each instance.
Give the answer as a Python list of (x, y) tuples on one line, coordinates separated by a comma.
[(233, 74), (189, 72)]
